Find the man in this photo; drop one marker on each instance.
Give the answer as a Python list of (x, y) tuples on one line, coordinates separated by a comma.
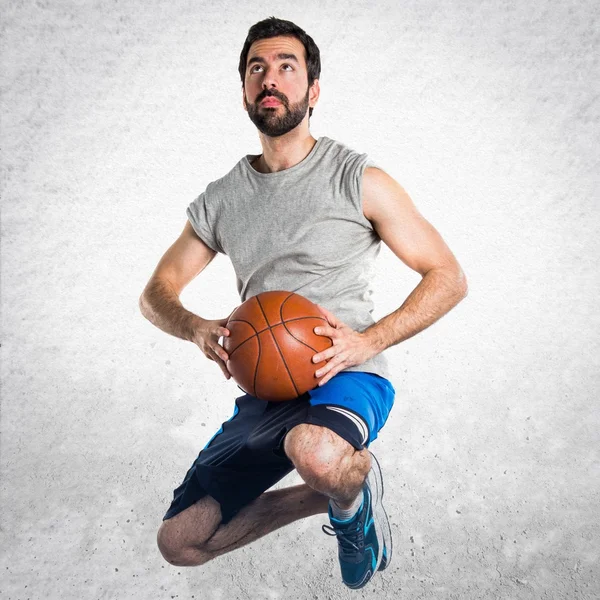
[(306, 216)]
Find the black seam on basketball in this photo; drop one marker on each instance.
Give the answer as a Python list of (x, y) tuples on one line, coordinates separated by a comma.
[(277, 345), (247, 339), (284, 324), (242, 343), (257, 362), (281, 305), (298, 339), (256, 368), (275, 324)]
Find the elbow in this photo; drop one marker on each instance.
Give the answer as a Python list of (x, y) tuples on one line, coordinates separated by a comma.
[(456, 281), (462, 284), (143, 304)]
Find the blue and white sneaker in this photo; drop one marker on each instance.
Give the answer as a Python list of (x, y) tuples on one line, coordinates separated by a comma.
[(375, 483), (362, 547)]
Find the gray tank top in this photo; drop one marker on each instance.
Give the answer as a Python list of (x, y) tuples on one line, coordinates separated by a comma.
[(301, 229)]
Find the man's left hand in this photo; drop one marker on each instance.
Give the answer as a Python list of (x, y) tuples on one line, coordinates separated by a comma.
[(350, 348)]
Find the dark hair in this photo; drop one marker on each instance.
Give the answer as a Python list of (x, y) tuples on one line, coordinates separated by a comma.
[(273, 27)]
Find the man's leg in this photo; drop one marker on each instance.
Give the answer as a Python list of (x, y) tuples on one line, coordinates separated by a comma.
[(329, 465), (327, 462), (352, 479), (195, 536)]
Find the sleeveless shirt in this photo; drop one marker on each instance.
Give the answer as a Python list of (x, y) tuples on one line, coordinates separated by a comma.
[(301, 230)]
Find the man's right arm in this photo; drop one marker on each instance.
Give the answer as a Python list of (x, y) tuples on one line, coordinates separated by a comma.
[(160, 303)]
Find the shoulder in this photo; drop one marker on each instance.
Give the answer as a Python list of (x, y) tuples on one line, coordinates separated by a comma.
[(223, 186), (382, 195), (341, 150)]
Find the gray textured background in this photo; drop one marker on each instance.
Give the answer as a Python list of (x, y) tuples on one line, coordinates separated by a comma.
[(486, 112)]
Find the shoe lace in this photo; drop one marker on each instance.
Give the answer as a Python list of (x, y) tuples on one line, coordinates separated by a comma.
[(351, 540)]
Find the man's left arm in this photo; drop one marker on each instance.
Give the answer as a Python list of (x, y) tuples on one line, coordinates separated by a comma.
[(419, 246)]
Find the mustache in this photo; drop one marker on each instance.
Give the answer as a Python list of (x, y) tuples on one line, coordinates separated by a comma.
[(269, 93)]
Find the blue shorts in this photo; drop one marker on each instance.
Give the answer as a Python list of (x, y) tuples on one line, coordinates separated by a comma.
[(245, 457)]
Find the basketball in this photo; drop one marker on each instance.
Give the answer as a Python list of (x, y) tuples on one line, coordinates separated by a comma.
[(271, 345)]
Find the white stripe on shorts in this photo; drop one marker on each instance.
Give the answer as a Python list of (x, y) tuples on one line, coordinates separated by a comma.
[(358, 421)]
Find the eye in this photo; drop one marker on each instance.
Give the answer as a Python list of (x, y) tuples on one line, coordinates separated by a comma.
[(285, 66)]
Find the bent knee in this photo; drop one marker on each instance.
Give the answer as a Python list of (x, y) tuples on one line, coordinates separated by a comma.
[(316, 451), (182, 538), (175, 551), (169, 543)]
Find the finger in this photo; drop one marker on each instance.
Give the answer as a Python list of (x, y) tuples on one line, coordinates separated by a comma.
[(225, 371), (328, 376), (323, 309), (325, 355), (222, 365), (331, 369), (323, 371), (325, 330), (221, 354), (336, 363), (212, 354), (330, 316)]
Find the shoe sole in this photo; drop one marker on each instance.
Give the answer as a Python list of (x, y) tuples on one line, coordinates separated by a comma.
[(382, 523)]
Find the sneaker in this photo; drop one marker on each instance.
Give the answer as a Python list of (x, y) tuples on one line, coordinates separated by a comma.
[(382, 524), (362, 549), (358, 546)]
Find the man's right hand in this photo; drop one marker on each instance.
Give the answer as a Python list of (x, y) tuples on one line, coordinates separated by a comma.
[(207, 337)]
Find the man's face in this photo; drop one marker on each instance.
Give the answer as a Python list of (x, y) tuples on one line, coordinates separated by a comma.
[(276, 95)]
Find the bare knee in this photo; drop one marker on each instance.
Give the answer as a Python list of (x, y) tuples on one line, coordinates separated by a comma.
[(167, 542), (182, 538), (175, 551), (318, 453)]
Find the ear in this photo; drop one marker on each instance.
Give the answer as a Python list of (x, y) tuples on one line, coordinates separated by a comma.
[(314, 93)]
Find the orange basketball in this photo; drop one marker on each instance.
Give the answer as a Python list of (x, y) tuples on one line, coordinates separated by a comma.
[(271, 345)]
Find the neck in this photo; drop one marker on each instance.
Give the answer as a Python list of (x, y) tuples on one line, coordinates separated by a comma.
[(284, 152)]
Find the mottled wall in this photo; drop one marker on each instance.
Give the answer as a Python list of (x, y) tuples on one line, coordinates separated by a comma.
[(486, 112)]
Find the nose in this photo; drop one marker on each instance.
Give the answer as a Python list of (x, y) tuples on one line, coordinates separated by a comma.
[(270, 78)]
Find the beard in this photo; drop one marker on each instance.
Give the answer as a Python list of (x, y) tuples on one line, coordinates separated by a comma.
[(268, 120)]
